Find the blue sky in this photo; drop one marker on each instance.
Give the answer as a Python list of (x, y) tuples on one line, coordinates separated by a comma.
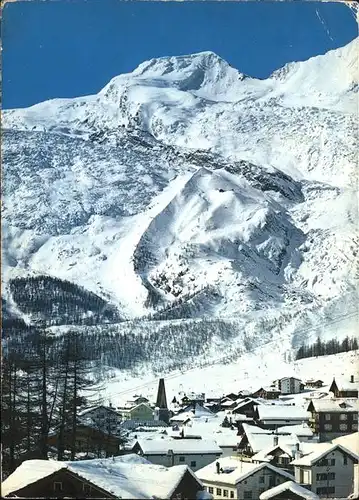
[(70, 48)]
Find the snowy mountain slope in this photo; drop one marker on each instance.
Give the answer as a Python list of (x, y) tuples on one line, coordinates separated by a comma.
[(200, 101), (186, 189)]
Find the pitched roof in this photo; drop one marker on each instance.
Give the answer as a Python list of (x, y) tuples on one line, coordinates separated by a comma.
[(290, 378), (315, 451), (302, 430), (350, 441), (337, 405), (182, 417), (260, 442), (278, 412), (128, 476), (266, 455), (344, 384), (289, 486), (234, 471), (245, 402), (161, 446)]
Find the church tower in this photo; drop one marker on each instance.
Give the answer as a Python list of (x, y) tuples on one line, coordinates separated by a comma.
[(161, 410)]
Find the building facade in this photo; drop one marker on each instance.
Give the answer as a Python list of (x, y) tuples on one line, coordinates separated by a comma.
[(332, 418), (329, 474)]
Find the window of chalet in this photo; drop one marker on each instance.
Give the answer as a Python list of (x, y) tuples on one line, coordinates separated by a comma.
[(219, 492), (322, 490), (210, 489), (343, 427), (225, 493), (354, 427), (181, 459), (261, 479), (86, 488), (345, 460), (326, 477), (325, 462), (355, 416), (57, 486), (247, 495), (231, 494), (327, 427), (343, 416), (328, 416), (193, 463)]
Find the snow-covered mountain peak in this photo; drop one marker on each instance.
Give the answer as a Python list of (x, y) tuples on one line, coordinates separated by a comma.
[(328, 80), (205, 74)]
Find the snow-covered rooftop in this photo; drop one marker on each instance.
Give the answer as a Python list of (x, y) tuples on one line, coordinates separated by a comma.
[(350, 441), (301, 430), (129, 476), (289, 486), (234, 469), (260, 442), (345, 384), (315, 451), (284, 412), (340, 405), (161, 446)]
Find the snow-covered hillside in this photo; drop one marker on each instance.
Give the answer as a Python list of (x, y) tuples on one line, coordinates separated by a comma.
[(250, 372), (186, 189)]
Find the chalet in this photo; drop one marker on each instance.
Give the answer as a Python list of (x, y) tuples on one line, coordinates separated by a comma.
[(141, 411), (232, 396), (288, 385), (255, 440), (280, 455), (267, 393), (276, 455), (331, 418), (231, 478), (274, 416), (246, 407), (193, 398), (288, 491), (197, 409), (345, 388), (105, 418), (326, 468), (314, 384), (135, 425), (89, 439), (138, 399), (183, 418), (229, 404), (117, 477), (195, 453)]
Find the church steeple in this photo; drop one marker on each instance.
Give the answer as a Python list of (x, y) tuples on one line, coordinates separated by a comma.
[(161, 410), (161, 395)]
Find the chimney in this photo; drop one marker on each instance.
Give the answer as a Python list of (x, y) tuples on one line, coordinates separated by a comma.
[(218, 467), (352, 379), (275, 440), (298, 453)]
